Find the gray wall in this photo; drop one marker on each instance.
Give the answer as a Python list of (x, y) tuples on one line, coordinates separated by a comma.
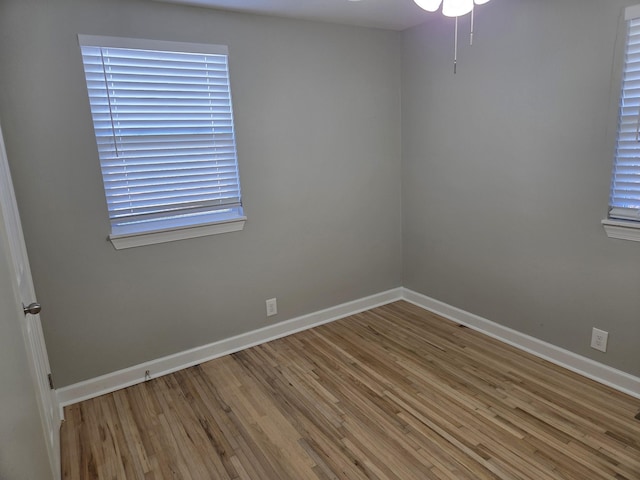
[(506, 170), (505, 177), (317, 109), (23, 452)]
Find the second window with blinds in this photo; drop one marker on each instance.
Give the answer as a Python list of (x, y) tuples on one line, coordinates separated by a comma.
[(623, 220), (163, 122)]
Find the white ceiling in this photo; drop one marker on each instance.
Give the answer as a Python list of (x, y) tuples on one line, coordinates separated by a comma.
[(389, 14)]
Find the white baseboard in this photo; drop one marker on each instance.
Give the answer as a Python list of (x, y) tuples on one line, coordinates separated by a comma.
[(162, 366), (599, 372), (111, 382)]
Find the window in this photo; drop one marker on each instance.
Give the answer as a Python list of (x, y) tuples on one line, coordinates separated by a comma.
[(163, 123), (624, 204)]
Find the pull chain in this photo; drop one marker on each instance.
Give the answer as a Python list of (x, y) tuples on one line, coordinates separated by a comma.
[(455, 49), (471, 35)]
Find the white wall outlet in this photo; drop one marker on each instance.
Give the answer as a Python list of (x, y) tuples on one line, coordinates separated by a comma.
[(599, 339), (272, 307)]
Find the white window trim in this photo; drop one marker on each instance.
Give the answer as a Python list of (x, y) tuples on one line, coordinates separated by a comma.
[(632, 12), (621, 229), (174, 233), (623, 224)]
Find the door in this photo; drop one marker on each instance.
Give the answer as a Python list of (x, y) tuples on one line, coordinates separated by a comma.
[(31, 328)]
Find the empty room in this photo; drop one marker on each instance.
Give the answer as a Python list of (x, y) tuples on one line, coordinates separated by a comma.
[(319, 239)]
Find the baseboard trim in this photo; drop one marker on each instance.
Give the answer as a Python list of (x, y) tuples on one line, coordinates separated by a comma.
[(584, 366), (111, 382), (162, 366)]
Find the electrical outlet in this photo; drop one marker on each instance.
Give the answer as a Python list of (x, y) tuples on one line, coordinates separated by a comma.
[(272, 307), (599, 339)]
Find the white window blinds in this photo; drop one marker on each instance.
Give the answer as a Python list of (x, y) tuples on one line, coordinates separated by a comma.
[(625, 185), (163, 122)]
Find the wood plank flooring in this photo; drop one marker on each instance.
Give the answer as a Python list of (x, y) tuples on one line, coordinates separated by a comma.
[(392, 393)]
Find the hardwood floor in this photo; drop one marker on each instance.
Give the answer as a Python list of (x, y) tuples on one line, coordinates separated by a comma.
[(392, 393)]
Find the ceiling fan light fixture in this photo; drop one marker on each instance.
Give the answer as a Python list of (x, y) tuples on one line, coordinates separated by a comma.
[(456, 8), (450, 8), (429, 5)]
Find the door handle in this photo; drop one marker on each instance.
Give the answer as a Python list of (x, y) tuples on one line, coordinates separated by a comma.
[(33, 308)]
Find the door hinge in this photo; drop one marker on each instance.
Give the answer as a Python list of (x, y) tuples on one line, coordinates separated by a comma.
[(50, 381)]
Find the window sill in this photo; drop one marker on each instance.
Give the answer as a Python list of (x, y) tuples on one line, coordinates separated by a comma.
[(621, 229), (171, 234)]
